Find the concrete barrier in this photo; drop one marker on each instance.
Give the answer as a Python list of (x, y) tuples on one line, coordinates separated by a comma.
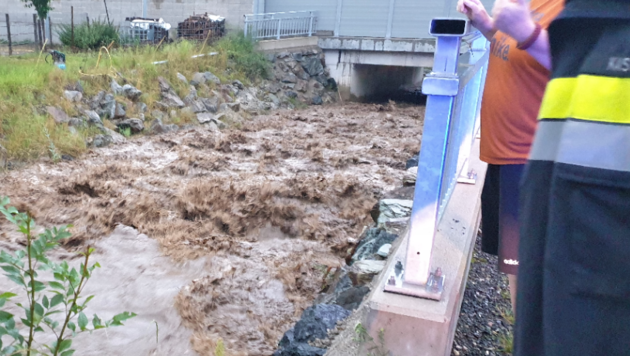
[(287, 44), (421, 327)]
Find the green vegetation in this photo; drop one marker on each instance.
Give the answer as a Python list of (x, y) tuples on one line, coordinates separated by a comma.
[(506, 341), (364, 340), (53, 308), (93, 36), (42, 7), (28, 85)]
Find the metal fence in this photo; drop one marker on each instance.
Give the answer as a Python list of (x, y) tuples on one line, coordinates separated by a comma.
[(454, 90), (22, 33), (280, 24)]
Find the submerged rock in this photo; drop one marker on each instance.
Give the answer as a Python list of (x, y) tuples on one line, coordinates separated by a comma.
[(314, 325)]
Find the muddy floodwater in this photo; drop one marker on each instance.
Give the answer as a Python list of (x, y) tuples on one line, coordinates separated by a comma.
[(219, 235)]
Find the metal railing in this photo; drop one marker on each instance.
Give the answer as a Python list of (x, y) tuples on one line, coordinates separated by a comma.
[(280, 24), (454, 90)]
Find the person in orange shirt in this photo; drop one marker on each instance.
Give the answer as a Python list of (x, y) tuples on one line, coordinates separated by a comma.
[(515, 84)]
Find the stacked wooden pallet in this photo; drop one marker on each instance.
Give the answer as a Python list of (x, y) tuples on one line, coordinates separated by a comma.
[(200, 27)]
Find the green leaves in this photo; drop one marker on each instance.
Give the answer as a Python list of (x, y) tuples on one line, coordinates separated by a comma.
[(5, 316), (44, 298), (83, 321)]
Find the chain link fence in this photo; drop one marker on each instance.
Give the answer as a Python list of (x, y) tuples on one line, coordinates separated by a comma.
[(22, 33)]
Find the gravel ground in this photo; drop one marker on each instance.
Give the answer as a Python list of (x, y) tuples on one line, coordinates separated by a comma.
[(484, 326)]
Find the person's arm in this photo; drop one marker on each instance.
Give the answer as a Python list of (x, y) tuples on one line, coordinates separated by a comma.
[(478, 16), (514, 19)]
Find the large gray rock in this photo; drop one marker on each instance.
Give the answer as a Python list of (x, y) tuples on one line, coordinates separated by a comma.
[(202, 78), (76, 122), (313, 325), (368, 267), (75, 87), (410, 176), (131, 92), (272, 99), (197, 79), (207, 118), (393, 208), (204, 118), (301, 73), (73, 96), (192, 101), (136, 125), (351, 298), (211, 78), (384, 250), (113, 136), (95, 102), (116, 88), (317, 100), (317, 320), (141, 107), (101, 140), (237, 83), (171, 100), (118, 112), (313, 66), (374, 239), (108, 106), (289, 78), (157, 127), (181, 77), (164, 85), (211, 104), (93, 118), (300, 349), (169, 97), (58, 115)]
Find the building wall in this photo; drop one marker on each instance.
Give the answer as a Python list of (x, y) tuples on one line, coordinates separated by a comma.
[(373, 18), (172, 11)]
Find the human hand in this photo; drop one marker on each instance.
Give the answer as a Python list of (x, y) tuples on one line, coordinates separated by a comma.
[(514, 18), (476, 13)]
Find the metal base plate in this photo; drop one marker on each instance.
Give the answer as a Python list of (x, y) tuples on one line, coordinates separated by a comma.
[(432, 290), (469, 178)]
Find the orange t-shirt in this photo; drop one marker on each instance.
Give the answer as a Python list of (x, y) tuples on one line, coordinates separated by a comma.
[(514, 89)]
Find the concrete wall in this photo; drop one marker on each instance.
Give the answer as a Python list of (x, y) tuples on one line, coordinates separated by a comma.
[(172, 11)]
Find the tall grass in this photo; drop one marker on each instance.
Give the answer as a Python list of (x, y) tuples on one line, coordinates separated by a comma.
[(28, 86), (98, 33)]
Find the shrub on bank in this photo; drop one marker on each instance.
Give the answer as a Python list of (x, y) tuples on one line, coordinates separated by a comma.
[(96, 34)]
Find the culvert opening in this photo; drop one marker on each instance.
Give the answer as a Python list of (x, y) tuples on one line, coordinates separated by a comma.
[(380, 84)]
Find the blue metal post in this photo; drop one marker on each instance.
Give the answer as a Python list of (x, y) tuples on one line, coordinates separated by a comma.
[(444, 88)]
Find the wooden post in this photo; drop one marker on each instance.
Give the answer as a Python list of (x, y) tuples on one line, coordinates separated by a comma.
[(87, 17), (107, 12), (42, 35), (35, 30), (72, 23), (9, 34), (50, 30)]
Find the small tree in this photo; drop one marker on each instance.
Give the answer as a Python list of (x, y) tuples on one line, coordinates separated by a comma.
[(54, 307), (41, 6)]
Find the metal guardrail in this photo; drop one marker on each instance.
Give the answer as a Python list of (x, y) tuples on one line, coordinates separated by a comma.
[(454, 90), (280, 24)]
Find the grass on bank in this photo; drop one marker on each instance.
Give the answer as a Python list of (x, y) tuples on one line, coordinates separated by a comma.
[(28, 85)]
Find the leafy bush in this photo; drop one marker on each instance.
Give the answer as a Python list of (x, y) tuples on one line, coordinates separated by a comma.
[(243, 57), (56, 305), (98, 33)]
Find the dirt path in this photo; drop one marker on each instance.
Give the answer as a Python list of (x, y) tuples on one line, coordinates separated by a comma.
[(268, 207)]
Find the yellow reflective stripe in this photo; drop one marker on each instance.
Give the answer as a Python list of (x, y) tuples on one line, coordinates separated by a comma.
[(588, 97)]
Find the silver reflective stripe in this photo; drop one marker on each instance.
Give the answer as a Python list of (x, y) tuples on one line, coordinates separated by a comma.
[(546, 141), (595, 145)]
